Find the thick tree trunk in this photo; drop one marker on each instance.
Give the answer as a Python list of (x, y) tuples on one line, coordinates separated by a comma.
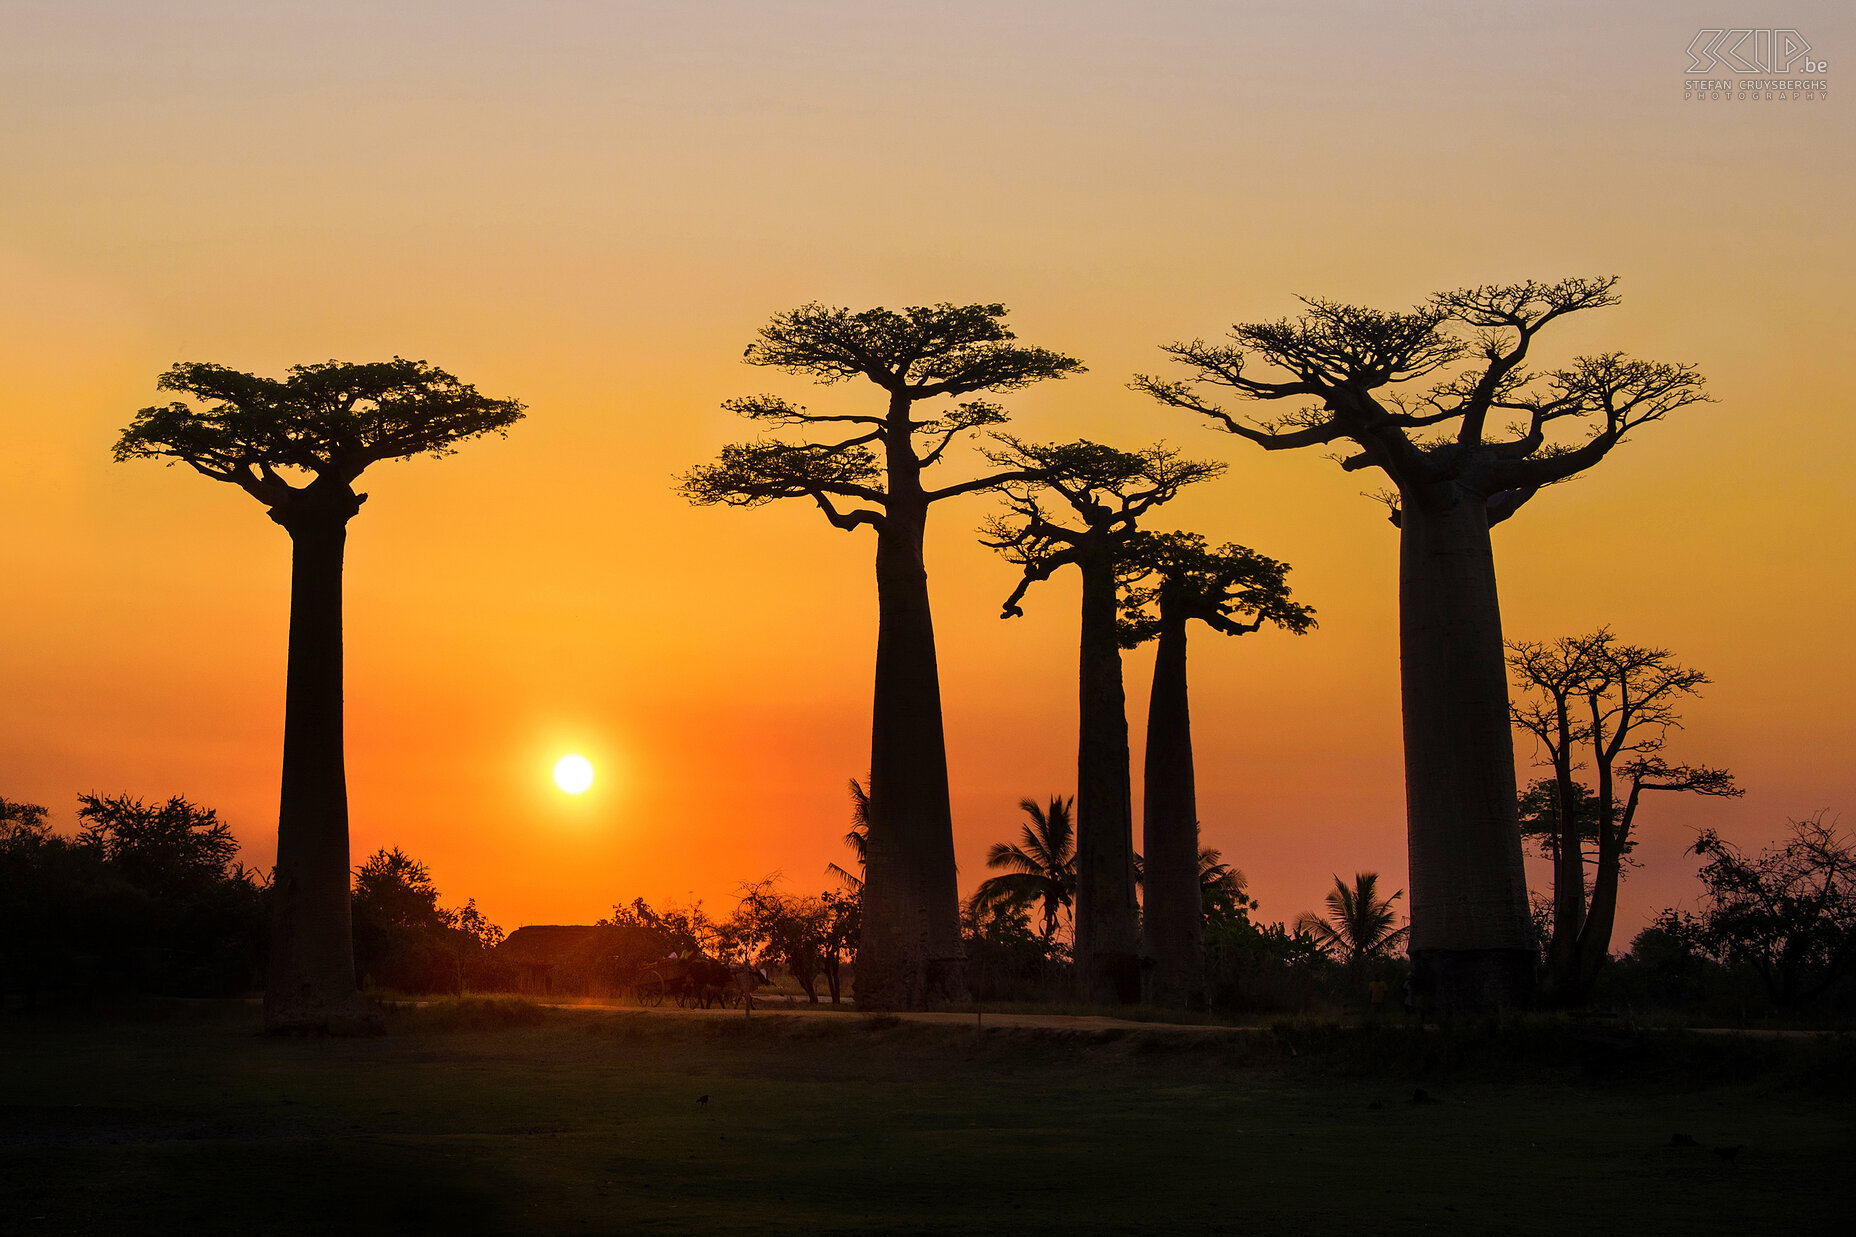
[(1174, 920), (1108, 960), (1562, 971), (1472, 941), (311, 987), (911, 954), (1594, 944)]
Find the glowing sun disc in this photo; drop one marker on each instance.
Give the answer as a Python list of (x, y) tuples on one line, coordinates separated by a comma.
[(573, 774)]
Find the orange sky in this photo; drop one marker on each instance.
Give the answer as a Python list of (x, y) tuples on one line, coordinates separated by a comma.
[(592, 208)]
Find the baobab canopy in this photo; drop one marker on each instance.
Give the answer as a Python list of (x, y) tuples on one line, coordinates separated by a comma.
[(331, 420)]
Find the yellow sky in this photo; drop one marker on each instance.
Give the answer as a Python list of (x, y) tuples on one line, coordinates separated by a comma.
[(592, 208)]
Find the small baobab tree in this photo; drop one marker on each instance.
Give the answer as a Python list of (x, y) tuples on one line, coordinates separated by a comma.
[(298, 445), (1082, 503), (1180, 579), (872, 477), (1615, 703), (1375, 380)]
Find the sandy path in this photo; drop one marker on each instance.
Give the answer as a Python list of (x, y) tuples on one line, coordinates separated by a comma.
[(762, 1009)]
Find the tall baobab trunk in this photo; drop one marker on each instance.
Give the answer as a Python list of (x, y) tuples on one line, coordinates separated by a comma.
[(1108, 960), (311, 985), (1174, 919), (1472, 941), (911, 953)]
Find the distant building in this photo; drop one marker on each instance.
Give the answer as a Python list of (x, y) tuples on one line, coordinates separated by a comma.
[(576, 959)]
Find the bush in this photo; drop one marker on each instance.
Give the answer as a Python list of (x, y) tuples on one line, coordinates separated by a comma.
[(1008, 961), (405, 942), (1252, 968), (145, 900)]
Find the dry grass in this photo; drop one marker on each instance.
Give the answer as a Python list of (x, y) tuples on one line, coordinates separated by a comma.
[(497, 1116)]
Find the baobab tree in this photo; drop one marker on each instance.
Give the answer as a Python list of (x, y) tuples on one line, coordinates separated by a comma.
[(1373, 379), (872, 478), (1181, 580), (297, 446), (1103, 493), (1616, 703)]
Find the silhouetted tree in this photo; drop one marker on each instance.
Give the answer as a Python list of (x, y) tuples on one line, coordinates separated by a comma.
[(1616, 702), (1216, 877), (1040, 868), (147, 897), (1223, 889), (1182, 580), (1539, 809), (396, 892), (911, 944), (403, 939), (1359, 925), (176, 844), (21, 820), (858, 839), (677, 929), (1540, 817), (787, 930), (298, 446), (1789, 912), (1361, 377), (843, 930), (1554, 673), (1100, 494)]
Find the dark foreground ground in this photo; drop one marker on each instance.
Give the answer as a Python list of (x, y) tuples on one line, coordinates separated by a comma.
[(502, 1118)]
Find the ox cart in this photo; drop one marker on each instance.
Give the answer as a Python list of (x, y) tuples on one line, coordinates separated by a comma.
[(696, 982)]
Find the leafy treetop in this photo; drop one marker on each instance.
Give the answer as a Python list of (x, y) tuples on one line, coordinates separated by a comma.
[(21, 820), (1107, 488), (917, 353), (1790, 911), (330, 420), (175, 843), (1176, 575), (1621, 699), (1356, 369), (923, 350)]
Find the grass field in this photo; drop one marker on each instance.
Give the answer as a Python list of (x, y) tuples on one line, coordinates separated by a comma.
[(495, 1117)]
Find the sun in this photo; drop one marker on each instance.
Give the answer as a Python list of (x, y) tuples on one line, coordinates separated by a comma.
[(573, 774)]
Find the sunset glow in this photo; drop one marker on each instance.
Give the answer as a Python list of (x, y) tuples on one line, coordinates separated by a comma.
[(592, 209), (573, 774)]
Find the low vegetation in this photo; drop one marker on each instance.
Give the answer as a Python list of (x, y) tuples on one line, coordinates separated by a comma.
[(497, 1115)]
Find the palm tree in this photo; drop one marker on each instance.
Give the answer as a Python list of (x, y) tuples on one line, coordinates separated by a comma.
[(1216, 877), (1219, 882), (858, 839), (1358, 925), (1041, 868)]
